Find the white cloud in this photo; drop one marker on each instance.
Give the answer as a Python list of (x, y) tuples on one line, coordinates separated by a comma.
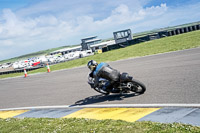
[(6, 42), (5, 53), (51, 24), (53, 27), (156, 10)]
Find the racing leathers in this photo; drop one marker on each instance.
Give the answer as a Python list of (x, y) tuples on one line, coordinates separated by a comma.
[(103, 70)]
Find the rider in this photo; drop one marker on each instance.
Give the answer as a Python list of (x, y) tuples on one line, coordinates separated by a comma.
[(103, 70)]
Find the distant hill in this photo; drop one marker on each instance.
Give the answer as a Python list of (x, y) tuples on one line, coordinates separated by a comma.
[(35, 54), (135, 35)]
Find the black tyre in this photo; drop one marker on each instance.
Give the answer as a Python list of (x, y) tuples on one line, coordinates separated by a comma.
[(138, 86)]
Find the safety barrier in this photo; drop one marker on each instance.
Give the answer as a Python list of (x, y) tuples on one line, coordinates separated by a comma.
[(20, 70), (153, 36)]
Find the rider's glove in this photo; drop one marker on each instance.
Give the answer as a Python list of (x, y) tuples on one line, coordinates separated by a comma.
[(91, 74)]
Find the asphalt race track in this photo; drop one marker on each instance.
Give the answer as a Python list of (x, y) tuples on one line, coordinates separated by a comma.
[(170, 78)]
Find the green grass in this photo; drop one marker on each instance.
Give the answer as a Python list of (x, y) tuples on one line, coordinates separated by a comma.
[(179, 42), (74, 125), (167, 44)]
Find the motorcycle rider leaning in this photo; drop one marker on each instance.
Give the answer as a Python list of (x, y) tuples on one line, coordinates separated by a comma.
[(103, 70)]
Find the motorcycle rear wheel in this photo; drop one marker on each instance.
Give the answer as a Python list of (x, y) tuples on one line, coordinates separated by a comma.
[(138, 86)]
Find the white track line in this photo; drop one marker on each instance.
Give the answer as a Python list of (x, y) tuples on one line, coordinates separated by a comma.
[(106, 106)]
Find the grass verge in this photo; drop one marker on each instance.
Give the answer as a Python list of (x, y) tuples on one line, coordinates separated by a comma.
[(87, 125), (167, 44)]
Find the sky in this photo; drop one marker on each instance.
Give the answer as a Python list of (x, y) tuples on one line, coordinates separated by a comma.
[(28, 26)]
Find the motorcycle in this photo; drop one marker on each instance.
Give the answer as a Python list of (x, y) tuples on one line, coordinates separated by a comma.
[(126, 84)]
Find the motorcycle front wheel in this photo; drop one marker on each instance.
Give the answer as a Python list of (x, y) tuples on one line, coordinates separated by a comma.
[(138, 86)]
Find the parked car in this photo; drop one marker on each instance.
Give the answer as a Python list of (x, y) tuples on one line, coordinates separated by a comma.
[(85, 53)]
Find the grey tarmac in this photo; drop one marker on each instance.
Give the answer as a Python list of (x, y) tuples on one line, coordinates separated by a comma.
[(170, 78)]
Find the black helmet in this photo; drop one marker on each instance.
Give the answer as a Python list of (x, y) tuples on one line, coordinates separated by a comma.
[(92, 65)]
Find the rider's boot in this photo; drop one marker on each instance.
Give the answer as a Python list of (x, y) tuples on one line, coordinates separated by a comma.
[(106, 88)]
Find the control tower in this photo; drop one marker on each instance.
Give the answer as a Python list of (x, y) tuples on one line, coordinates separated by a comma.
[(87, 42)]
